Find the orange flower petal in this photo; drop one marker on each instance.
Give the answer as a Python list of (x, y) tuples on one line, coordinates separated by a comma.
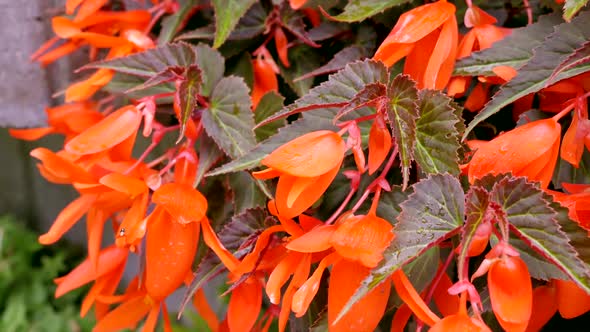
[(109, 259), (67, 218), (205, 311), (316, 240), (64, 28), (379, 144), (281, 43), (265, 79), (266, 174), (513, 151), (88, 8), (124, 183), (410, 296), (280, 274), (544, 307), (446, 303), (391, 53), (345, 278), (299, 277), (169, 255), (572, 301), (212, 241), (459, 323), (244, 306), (571, 146), (400, 318), (296, 4), (363, 239), (477, 98), (83, 90), (94, 229), (60, 167), (475, 17), (107, 133), (415, 24), (442, 60), (248, 264), (310, 155), (133, 227), (305, 199), (511, 293), (305, 294), (125, 316), (417, 60), (182, 201), (32, 134)]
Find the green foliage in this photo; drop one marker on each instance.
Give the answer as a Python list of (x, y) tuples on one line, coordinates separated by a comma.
[(27, 271)]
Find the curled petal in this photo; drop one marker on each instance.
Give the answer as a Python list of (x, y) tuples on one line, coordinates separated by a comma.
[(305, 294), (67, 218), (125, 316), (309, 155), (182, 201), (109, 259), (410, 296), (124, 183), (304, 198), (107, 133), (316, 240), (363, 239), (379, 144)]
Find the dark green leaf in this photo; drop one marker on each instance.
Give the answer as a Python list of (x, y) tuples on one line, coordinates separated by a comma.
[(227, 15), (566, 172), (188, 90), (163, 77), (432, 213), (229, 120), (209, 154), (402, 112), (212, 65), (476, 207), (389, 204), (437, 137), (539, 267), (531, 217), (123, 83), (327, 30), (340, 59), (358, 10), (514, 50), (150, 62), (579, 57), (246, 194), (244, 68), (339, 88), (206, 32), (292, 21), (368, 96), (571, 7), (270, 104), (303, 59), (173, 23), (534, 76)]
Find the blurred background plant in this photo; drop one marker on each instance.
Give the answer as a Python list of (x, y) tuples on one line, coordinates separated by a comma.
[(27, 270)]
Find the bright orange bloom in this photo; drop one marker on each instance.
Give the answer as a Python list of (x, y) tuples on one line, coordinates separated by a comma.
[(482, 35), (459, 322), (427, 36), (544, 307), (572, 301), (530, 150), (265, 77), (306, 167), (379, 143), (346, 277), (296, 4), (511, 292)]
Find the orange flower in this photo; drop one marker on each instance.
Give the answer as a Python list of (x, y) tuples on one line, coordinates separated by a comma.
[(306, 167), (345, 278), (427, 36), (544, 307), (511, 292), (572, 301), (459, 322), (530, 150), (265, 77), (482, 35)]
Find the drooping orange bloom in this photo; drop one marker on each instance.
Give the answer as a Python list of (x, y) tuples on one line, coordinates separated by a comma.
[(427, 36), (530, 150), (572, 301), (265, 77), (379, 144), (544, 307), (482, 35), (306, 167), (511, 292)]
